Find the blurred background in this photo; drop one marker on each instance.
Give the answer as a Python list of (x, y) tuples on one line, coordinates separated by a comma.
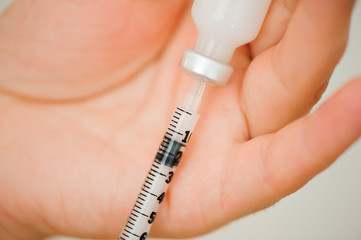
[(329, 206)]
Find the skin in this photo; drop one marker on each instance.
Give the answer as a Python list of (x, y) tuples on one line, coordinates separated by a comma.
[(83, 106)]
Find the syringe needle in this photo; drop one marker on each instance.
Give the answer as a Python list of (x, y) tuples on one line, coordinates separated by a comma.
[(194, 96)]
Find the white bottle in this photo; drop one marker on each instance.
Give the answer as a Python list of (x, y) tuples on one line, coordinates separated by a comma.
[(223, 25)]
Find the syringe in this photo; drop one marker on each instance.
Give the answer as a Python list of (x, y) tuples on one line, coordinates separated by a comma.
[(163, 167), (222, 27)]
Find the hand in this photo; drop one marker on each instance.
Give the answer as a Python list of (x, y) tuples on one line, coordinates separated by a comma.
[(87, 90)]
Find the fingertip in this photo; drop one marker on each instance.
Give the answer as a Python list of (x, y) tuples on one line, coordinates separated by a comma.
[(306, 147), (345, 106)]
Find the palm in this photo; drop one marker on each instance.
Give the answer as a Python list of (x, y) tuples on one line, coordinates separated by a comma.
[(83, 156)]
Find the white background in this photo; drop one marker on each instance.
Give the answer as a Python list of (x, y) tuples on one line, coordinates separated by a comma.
[(329, 206)]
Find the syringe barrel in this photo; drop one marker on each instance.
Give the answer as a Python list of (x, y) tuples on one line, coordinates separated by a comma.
[(160, 175)]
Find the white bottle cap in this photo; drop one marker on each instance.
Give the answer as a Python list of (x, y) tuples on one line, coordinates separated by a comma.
[(205, 69), (223, 25)]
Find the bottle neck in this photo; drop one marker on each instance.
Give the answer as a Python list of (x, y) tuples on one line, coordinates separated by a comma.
[(221, 51)]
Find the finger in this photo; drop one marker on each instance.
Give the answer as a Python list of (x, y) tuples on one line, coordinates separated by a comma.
[(297, 70), (272, 166), (274, 26), (68, 49), (302, 150)]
